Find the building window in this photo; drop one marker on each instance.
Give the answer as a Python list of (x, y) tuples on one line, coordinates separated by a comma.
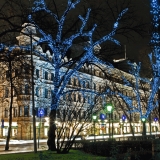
[(6, 113), (6, 92), (84, 100), (26, 69), (26, 89), (20, 111), (74, 81), (64, 114), (46, 93), (58, 113), (37, 91), (37, 73), (70, 82), (26, 111), (87, 84), (69, 97), (69, 115), (84, 114), (83, 84), (16, 72), (52, 76), (46, 75), (14, 112), (79, 98), (94, 86), (64, 97), (7, 74), (74, 96), (89, 100)]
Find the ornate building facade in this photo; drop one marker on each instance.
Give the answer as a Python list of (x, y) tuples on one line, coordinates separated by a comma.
[(90, 78)]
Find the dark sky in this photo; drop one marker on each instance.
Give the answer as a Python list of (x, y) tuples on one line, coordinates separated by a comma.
[(133, 48), (143, 9)]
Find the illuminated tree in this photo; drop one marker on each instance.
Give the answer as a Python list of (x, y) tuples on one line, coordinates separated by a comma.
[(59, 46), (151, 94)]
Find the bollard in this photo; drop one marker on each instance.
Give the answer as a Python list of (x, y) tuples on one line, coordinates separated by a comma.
[(156, 149)]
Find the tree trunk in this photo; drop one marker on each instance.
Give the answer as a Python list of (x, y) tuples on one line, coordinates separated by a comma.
[(10, 108), (52, 131)]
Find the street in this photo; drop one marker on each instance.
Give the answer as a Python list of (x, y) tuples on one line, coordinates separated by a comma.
[(17, 146)]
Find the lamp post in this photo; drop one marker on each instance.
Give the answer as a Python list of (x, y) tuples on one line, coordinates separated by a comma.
[(123, 120), (102, 117), (156, 122), (109, 108), (144, 126), (40, 115), (94, 117)]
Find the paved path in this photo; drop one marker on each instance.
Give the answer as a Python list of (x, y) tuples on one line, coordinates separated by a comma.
[(21, 146)]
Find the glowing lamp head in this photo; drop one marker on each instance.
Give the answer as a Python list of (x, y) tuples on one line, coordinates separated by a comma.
[(155, 119), (94, 117), (143, 119), (109, 107), (123, 118)]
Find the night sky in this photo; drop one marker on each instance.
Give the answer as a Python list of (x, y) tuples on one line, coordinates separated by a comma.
[(137, 44), (140, 43)]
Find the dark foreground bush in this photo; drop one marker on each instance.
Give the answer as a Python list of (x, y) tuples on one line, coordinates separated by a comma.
[(120, 148)]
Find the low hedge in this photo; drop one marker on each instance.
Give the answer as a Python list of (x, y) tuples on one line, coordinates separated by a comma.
[(109, 148)]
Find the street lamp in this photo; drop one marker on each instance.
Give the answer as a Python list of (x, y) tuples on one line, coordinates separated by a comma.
[(109, 108), (102, 117), (156, 122), (40, 115), (124, 118), (94, 117), (144, 126)]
